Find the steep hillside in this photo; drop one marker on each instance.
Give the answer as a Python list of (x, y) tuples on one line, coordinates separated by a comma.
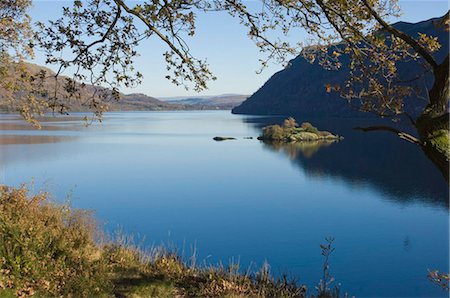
[(299, 89)]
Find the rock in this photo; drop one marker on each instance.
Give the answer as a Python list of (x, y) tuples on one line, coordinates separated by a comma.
[(223, 138)]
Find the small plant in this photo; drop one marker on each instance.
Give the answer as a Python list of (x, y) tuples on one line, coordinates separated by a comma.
[(440, 279), (308, 127), (48, 249), (274, 132), (290, 123), (324, 287)]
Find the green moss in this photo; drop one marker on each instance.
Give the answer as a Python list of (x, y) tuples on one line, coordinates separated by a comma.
[(440, 140)]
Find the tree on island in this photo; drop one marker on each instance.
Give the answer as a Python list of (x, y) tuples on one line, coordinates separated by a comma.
[(99, 40)]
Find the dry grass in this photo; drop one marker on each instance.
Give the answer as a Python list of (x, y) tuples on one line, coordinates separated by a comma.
[(47, 249)]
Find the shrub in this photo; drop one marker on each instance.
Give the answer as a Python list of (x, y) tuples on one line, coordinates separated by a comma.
[(290, 123), (274, 132), (308, 127), (47, 248)]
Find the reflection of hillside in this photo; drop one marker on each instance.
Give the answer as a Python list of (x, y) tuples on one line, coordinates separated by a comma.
[(34, 139), (307, 149), (15, 148), (381, 160), (48, 123)]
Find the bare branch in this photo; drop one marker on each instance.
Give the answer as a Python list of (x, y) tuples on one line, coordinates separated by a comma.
[(401, 134)]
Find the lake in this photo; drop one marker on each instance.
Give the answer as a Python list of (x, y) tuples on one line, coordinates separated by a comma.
[(160, 177)]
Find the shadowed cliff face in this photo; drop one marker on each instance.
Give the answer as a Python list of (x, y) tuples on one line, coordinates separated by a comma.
[(377, 160), (299, 89)]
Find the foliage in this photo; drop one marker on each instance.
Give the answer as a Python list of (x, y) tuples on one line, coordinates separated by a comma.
[(309, 127), (23, 90), (290, 132), (47, 249), (274, 132), (15, 28), (290, 123), (323, 288), (354, 30), (440, 279), (16, 43)]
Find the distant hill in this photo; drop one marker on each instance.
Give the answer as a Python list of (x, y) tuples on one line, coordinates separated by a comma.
[(299, 89), (127, 102), (220, 102), (142, 102)]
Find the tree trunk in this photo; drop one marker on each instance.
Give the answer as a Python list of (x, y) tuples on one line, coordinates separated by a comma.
[(433, 124)]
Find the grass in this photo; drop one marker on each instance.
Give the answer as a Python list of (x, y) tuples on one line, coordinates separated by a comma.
[(50, 250)]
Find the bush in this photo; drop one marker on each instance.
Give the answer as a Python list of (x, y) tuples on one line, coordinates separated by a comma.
[(48, 248), (308, 127), (274, 132), (290, 123)]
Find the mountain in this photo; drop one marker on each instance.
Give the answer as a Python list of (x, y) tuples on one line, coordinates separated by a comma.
[(127, 102), (299, 88), (219, 102)]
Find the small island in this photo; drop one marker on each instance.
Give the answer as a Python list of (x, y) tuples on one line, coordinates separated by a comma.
[(291, 132)]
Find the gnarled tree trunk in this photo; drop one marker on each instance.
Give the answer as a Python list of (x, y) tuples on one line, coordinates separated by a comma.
[(433, 124)]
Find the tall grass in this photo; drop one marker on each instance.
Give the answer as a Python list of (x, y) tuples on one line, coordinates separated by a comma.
[(52, 250), (47, 248)]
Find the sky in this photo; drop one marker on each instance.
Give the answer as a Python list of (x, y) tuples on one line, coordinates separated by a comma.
[(232, 56)]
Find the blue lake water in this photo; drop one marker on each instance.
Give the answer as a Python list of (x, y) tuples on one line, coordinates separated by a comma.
[(161, 177)]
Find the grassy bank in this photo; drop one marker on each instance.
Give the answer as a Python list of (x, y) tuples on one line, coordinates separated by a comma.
[(48, 249)]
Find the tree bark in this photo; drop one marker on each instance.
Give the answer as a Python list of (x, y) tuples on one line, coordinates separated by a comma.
[(433, 125)]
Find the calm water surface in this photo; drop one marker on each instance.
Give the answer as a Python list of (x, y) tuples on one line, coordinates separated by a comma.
[(161, 177)]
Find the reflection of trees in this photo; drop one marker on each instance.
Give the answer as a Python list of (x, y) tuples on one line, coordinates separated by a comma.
[(293, 149), (390, 166)]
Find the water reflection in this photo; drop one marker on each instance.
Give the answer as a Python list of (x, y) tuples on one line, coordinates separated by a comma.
[(32, 139), (380, 160), (292, 150), (158, 174), (48, 123), (19, 149)]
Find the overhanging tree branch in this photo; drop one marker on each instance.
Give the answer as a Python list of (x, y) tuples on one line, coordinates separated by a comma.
[(401, 134), (152, 29), (408, 39), (99, 41)]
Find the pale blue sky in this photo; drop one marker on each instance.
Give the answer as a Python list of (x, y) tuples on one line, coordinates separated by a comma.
[(232, 57)]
